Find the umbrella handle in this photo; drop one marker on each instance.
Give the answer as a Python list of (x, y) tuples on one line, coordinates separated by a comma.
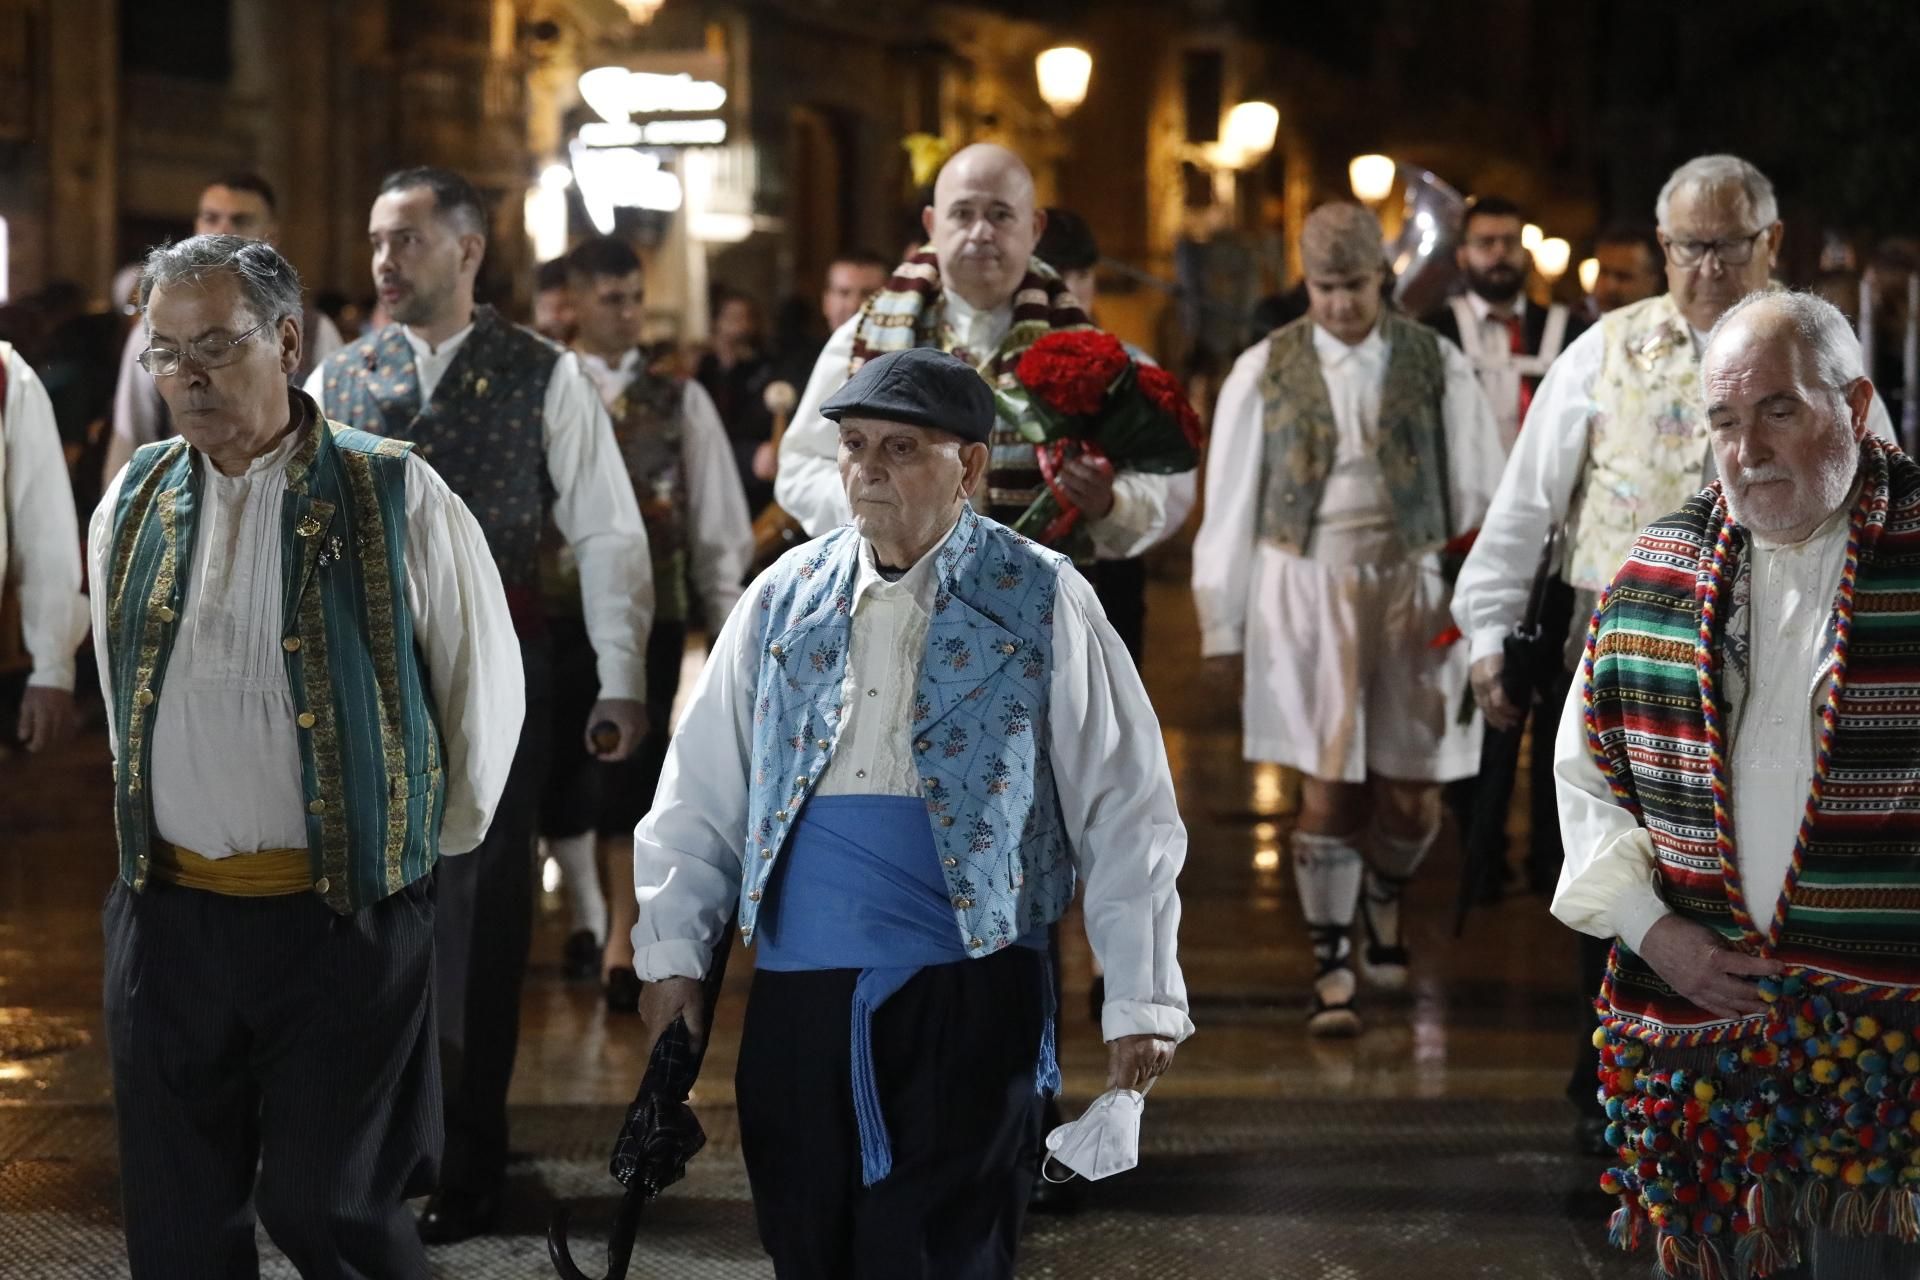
[(626, 1224)]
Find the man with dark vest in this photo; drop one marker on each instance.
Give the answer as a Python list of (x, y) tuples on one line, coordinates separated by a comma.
[(1349, 448), (312, 695), (238, 204), (517, 429), (977, 292), (680, 462), (914, 735), (1736, 771)]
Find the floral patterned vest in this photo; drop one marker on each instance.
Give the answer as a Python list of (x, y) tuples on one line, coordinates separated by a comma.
[(1646, 442), (980, 722)]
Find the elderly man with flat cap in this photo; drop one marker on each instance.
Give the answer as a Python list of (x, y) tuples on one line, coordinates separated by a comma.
[(913, 737)]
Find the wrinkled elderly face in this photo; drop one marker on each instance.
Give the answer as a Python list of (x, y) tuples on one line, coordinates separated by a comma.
[(849, 285), (242, 402), (1347, 306), (1787, 447), (1719, 215), (905, 484), (1493, 259), (983, 224)]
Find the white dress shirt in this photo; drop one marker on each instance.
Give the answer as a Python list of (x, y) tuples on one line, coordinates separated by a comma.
[(1146, 511), (1607, 883), (1109, 764), (39, 532), (225, 767), (138, 410), (1226, 549), (593, 507), (1547, 465), (719, 530)]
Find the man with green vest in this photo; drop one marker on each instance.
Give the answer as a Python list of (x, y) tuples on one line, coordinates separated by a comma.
[(312, 694), (1349, 448)]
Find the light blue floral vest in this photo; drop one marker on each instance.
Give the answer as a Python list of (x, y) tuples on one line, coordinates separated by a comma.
[(980, 726)]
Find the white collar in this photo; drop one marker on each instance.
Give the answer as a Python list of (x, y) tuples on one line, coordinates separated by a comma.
[(1483, 309), (1831, 529), (628, 364), (423, 351), (962, 314), (1332, 350), (917, 584)]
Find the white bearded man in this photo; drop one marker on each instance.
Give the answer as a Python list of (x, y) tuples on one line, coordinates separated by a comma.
[(312, 694), (976, 291), (1735, 772), (1348, 448), (914, 735)]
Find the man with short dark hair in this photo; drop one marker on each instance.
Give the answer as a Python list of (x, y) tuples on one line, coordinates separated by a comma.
[(1509, 340), (852, 278), (311, 697), (236, 204), (680, 464), (517, 428), (1631, 265), (552, 302)]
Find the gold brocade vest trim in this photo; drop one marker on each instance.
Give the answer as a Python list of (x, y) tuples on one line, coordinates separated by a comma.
[(1301, 436), (369, 742), (1646, 441)]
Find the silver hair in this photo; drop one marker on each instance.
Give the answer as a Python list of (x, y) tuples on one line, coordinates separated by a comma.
[(1820, 324), (268, 282), (1717, 172)]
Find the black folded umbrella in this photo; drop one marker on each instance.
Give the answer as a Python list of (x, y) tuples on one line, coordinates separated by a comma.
[(660, 1134)]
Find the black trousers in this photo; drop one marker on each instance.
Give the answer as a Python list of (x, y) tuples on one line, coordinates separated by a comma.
[(1121, 586), (581, 794), (272, 1033), (954, 1054), (481, 938)]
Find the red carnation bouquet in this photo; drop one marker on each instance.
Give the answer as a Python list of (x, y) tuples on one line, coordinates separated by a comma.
[(1078, 393)]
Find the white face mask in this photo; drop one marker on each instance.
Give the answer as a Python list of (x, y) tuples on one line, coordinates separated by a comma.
[(1105, 1140)]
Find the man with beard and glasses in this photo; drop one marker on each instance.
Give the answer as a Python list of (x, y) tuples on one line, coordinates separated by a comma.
[(516, 427), (1616, 435), (1510, 340), (1735, 775)]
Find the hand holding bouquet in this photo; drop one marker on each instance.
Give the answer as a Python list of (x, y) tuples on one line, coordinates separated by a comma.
[(1077, 393)]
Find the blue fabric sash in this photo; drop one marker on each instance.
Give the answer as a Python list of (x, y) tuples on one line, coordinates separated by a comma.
[(862, 889)]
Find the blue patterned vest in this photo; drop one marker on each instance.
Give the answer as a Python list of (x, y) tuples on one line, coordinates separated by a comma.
[(374, 793), (980, 722), (1301, 435), (484, 430)]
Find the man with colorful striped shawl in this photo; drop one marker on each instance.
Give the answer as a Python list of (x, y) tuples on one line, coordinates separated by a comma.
[(977, 292), (1735, 773)]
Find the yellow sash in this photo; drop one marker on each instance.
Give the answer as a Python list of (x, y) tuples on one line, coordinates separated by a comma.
[(266, 874)]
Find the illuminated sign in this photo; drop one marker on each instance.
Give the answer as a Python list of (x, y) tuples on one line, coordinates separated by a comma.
[(617, 94)]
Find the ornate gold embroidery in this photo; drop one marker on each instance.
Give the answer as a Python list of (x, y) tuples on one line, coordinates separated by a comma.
[(370, 540), (316, 677)]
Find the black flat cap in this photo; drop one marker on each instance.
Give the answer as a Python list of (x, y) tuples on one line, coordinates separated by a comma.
[(921, 386)]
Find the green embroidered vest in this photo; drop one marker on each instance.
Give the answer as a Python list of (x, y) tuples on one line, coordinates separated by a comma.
[(1301, 435), (369, 742)]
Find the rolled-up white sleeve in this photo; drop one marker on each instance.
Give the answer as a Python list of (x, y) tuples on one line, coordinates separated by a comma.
[(595, 511), (1116, 793), (99, 538), (1608, 882), (1223, 549), (686, 851), (720, 531), (807, 484), (43, 532), (1475, 454), (465, 635), (1535, 493)]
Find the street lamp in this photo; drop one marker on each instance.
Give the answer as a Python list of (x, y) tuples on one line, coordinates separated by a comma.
[(1552, 257), (1063, 72), (1249, 132), (642, 11), (1371, 177), (1530, 238), (1589, 274)]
